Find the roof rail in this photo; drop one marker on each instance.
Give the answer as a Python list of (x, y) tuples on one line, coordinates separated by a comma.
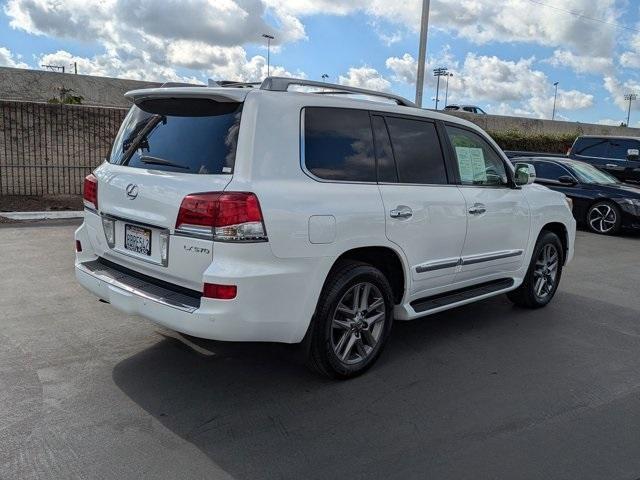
[(282, 84)]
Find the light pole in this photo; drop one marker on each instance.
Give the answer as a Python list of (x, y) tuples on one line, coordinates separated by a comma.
[(555, 97), (446, 94), (439, 72), (269, 38), (630, 97), (422, 52)]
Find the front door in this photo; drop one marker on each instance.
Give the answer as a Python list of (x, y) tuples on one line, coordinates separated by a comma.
[(498, 219), (425, 215)]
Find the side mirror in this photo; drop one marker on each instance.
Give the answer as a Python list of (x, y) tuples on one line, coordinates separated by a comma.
[(525, 174), (633, 154), (567, 180)]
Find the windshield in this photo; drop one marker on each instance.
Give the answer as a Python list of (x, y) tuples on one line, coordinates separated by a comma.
[(589, 174), (187, 135)]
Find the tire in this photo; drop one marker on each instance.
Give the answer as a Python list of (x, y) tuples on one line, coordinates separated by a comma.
[(604, 218), (345, 341), (542, 278)]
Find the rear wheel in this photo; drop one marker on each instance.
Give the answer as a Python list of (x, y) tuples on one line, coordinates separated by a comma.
[(352, 321), (543, 276), (604, 218)]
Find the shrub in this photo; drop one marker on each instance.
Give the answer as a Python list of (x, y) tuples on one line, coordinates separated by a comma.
[(544, 143)]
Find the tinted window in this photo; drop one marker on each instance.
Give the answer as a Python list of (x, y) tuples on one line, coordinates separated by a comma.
[(469, 109), (591, 147), (186, 135), (549, 171), (417, 151), (338, 144), (618, 148), (384, 153), (478, 163)]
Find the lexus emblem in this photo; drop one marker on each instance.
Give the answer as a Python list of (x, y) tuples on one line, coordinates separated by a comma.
[(132, 191)]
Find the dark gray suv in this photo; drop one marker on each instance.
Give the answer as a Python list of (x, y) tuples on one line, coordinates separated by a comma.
[(619, 156)]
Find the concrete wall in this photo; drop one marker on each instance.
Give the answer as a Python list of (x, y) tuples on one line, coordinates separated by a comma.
[(40, 86), (535, 126)]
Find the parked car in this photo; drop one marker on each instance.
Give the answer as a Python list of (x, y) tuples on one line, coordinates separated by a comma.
[(600, 201), (619, 156), (465, 108), (320, 228)]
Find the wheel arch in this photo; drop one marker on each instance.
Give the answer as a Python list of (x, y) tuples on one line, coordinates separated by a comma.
[(561, 230), (386, 259)]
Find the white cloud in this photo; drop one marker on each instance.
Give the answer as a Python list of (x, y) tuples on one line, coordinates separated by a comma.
[(8, 59), (514, 87), (619, 89), (580, 63), (631, 58), (365, 77)]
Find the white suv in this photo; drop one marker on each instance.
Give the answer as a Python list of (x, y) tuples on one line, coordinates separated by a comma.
[(264, 214)]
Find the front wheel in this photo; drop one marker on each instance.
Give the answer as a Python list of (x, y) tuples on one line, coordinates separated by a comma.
[(352, 321), (604, 218), (543, 276)]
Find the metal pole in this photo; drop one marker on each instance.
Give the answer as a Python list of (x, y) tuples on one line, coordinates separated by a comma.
[(437, 91), (446, 95), (269, 38), (631, 97), (555, 96), (422, 52)]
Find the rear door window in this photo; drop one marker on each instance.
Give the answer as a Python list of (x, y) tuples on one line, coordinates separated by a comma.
[(338, 144), (417, 150), (179, 135), (591, 147)]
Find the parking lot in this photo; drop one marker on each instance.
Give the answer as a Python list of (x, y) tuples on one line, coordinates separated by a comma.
[(484, 391)]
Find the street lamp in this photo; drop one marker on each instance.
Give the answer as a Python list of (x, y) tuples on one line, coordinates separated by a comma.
[(630, 97), (439, 72), (446, 95), (269, 38), (555, 97)]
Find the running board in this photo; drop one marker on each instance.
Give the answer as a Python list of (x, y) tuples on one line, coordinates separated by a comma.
[(455, 296)]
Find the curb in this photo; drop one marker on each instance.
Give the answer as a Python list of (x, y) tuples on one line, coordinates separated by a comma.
[(49, 215)]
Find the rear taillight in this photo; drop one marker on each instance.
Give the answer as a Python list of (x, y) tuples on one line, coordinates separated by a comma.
[(225, 216), (90, 191), (221, 292)]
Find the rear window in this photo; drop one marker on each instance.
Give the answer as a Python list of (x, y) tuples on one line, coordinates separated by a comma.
[(179, 135), (338, 144)]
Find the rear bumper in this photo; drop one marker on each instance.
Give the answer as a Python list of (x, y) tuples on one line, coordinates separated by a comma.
[(275, 301)]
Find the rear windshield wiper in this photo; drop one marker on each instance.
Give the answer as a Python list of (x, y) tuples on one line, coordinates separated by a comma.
[(149, 160)]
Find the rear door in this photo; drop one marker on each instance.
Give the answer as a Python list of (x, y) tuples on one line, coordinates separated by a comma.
[(498, 218), (166, 149), (425, 213), (617, 163)]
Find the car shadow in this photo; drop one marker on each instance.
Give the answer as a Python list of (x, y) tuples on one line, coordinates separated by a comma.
[(442, 383)]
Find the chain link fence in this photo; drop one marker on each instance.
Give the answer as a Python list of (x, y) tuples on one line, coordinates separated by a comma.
[(48, 149)]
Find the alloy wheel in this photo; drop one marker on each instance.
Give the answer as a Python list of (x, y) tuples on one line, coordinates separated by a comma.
[(546, 271), (358, 322), (602, 218)]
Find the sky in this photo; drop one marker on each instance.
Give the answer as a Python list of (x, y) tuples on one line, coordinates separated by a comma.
[(505, 55)]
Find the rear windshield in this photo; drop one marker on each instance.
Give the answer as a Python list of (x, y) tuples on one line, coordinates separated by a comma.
[(186, 135)]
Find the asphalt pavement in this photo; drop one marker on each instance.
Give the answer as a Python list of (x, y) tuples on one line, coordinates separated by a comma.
[(487, 391)]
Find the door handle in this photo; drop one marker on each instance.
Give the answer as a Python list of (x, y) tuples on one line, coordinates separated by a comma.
[(401, 211), (478, 209), (611, 165)]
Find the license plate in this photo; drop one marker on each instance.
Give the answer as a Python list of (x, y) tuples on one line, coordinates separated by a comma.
[(137, 239)]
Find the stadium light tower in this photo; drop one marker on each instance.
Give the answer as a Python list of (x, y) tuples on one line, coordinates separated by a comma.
[(439, 72), (269, 38), (630, 97)]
